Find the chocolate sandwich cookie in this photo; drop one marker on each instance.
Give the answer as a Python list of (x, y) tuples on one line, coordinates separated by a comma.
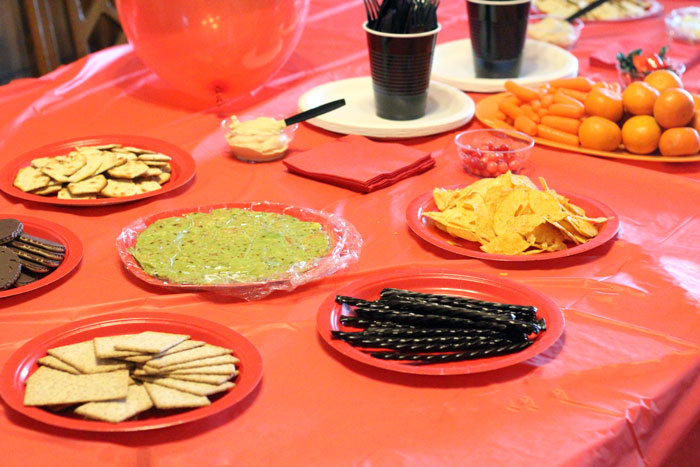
[(10, 268), (18, 243), (25, 277), (9, 230), (42, 243), (36, 258), (31, 265)]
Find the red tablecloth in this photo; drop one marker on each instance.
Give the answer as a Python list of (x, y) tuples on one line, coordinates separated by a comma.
[(621, 386)]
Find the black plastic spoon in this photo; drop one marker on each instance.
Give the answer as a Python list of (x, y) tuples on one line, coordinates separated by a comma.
[(314, 112), (585, 10)]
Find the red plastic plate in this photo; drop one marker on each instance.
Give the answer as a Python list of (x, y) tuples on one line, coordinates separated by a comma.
[(23, 362), (345, 248), (50, 231), (182, 163), (425, 229), (452, 281)]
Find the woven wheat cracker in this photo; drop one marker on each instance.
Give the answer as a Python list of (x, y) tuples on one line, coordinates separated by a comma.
[(137, 400), (47, 386), (104, 347), (209, 379), (219, 360), (227, 369), (198, 389), (198, 353), (150, 342), (186, 345), (82, 356), (56, 364), (166, 398)]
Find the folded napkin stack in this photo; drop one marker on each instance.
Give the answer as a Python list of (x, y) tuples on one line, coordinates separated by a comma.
[(360, 164)]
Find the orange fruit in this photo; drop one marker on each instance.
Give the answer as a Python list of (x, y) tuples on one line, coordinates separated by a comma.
[(604, 103), (696, 100), (663, 79), (695, 122), (640, 134), (683, 141), (599, 133), (638, 98), (674, 107)]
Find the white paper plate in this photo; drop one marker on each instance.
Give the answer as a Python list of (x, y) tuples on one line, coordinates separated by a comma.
[(448, 108), (542, 62)]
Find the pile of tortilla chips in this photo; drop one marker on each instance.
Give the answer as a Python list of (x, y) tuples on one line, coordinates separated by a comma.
[(508, 215)]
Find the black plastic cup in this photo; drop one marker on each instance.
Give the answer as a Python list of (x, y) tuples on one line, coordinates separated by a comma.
[(497, 29), (400, 66)]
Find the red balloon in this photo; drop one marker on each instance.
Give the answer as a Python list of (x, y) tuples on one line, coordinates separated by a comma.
[(213, 48)]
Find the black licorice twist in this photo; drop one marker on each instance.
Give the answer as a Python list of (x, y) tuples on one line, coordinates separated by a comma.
[(430, 328), (453, 357), (525, 311)]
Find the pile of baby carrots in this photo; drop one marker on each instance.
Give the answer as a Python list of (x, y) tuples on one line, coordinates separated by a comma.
[(553, 111)]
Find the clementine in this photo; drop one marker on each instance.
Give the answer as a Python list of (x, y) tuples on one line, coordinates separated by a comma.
[(599, 133), (604, 103), (695, 122), (638, 98), (674, 107), (640, 134), (663, 79), (683, 141)]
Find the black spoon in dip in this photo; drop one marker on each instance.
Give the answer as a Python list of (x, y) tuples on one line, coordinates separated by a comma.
[(314, 112)]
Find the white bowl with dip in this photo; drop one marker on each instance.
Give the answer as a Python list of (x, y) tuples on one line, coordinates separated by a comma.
[(258, 139)]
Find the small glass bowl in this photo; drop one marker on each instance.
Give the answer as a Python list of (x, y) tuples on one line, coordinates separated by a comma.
[(491, 152), (683, 24), (561, 33), (266, 148), (626, 77)]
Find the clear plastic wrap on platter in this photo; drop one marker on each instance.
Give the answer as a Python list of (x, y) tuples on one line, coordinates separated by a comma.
[(246, 250)]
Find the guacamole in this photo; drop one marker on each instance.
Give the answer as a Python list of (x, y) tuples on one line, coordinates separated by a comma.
[(229, 246)]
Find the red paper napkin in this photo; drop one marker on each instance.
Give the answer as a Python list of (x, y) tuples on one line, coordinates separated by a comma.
[(360, 164)]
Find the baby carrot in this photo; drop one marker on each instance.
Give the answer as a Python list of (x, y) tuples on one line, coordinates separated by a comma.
[(499, 115), (521, 92), (544, 89), (552, 134), (547, 100), (526, 125), (513, 99), (578, 95), (530, 113), (569, 125), (566, 110), (561, 98), (542, 112), (579, 83), (510, 109), (537, 104)]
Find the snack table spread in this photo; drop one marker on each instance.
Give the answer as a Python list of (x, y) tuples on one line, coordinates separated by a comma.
[(620, 386)]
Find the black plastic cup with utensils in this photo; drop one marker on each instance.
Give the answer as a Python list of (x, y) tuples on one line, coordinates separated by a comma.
[(400, 65), (401, 38), (497, 29)]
